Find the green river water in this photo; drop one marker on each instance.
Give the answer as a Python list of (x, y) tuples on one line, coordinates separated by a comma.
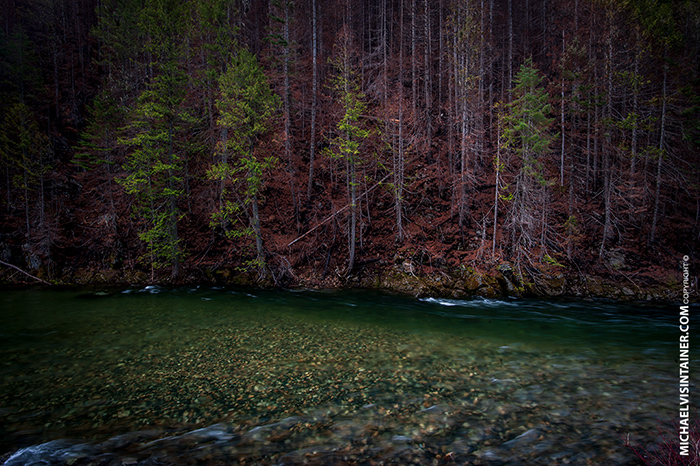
[(228, 376)]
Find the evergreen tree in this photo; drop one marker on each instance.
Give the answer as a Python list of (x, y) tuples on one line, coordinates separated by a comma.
[(352, 134), (25, 154), (155, 165), (526, 132), (98, 155), (24, 150), (122, 52), (246, 107), (218, 30)]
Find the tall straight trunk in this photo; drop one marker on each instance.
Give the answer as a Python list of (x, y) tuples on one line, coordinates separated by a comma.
[(588, 148), (55, 79), (510, 49), (399, 175), (352, 182), (314, 99), (257, 231), (350, 162), (659, 164), (607, 199), (607, 175), (454, 109), (544, 27), (426, 75), (9, 185), (224, 162), (153, 221), (255, 218), (498, 187), (353, 217), (481, 133), (288, 115), (526, 30), (467, 126), (441, 38), (399, 158), (208, 91), (562, 125), (491, 77), (385, 53), (42, 197), (464, 146), (570, 211), (414, 67), (596, 122), (26, 198), (635, 110), (172, 205)]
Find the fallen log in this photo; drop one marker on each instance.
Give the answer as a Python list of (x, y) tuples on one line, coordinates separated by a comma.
[(26, 273), (339, 210)]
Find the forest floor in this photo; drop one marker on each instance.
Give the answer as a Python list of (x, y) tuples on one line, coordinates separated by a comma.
[(436, 257)]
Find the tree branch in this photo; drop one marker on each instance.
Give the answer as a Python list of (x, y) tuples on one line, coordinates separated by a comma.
[(26, 273), (340, 210)]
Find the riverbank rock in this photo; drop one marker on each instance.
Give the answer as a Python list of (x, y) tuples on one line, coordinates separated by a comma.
[(402, 279), (462, 283), (410, 278), (510, 284), (554, 285)]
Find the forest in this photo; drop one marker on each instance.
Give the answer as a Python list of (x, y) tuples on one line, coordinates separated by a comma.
[(322, 142)]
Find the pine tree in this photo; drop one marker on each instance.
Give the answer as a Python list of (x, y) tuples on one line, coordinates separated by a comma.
[(351, 132), (155, 165), (246, 106), (121, 36), (25, 154), (526, 132), (97, 154), (218, 30)]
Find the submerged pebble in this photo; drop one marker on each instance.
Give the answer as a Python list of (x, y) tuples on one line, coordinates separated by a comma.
[(274, 389)]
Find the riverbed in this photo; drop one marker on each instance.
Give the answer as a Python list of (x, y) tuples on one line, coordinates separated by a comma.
[(201, 375)]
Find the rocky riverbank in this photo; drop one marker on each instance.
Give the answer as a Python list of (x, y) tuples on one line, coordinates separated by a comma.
[(407, 277)]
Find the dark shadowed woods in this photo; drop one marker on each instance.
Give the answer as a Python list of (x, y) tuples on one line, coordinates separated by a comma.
[(427, 146)]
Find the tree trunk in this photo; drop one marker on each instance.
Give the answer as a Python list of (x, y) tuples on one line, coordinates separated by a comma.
[(172, 204), (498, 188), (563, 127), (479, 113), (441, 38), (510, 49), (659, 164), (635, 110), (607, 175), (26, 198), (288, 116), (414, 68), (257, 231), (353, 218), (314, 101), (398, 167), (426, 77)]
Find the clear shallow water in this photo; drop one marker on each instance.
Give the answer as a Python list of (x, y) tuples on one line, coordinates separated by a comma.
[(158, 376)]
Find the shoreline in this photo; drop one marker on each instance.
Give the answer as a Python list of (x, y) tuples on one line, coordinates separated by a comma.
[(465, 283)]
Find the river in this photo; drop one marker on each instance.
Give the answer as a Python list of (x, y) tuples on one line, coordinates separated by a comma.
[(151, 375)]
